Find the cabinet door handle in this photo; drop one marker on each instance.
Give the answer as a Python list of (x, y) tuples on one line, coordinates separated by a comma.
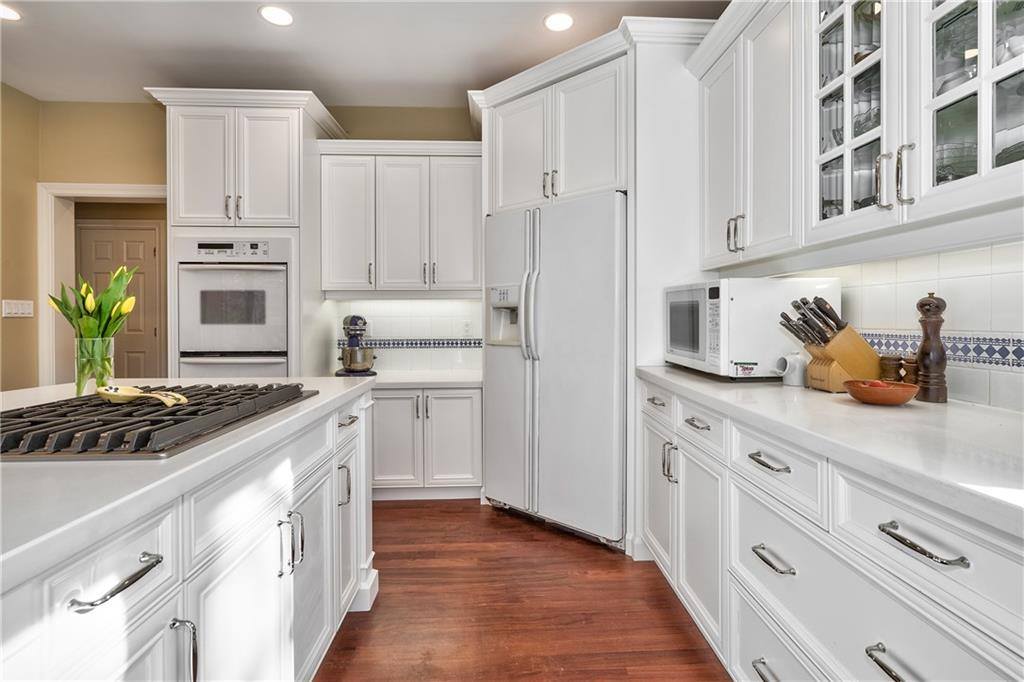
[(433, 272), (369, 273), (424, 272), (544, 185), (872, 653), (349, 421), (426, 406), (417, 407), (671, 477), (728, 234), (878, 181), (890, 529), (899, 173), (736, 232), (302, 538), (193, 645), (227, 205), (291, 542), (664, 458), (238, 207), (760, 667), (148, 560), (760, 550), (656, 401), (554, 183), (758, 458), (348, 485), (697, 424)]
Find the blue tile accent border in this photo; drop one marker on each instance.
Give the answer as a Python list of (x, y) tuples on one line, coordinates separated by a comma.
[(402, 344), (991, 351)]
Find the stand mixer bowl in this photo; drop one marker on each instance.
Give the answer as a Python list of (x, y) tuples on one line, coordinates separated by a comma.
[(357, 359)]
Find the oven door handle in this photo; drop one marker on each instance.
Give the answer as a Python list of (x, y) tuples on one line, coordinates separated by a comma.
[(271, 360), (233, 266)]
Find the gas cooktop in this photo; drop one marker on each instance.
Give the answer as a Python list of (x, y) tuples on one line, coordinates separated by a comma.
[(90, 428)]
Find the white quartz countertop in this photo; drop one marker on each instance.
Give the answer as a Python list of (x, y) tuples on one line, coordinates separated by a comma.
[(429, 379), (50, 510), (965, 457)]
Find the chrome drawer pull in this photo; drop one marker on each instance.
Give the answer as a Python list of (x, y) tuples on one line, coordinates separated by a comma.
[(193, 644), (760, 667), (760, 549), (349, 421), (150, 562), (890, 529), (695, 423), (664, 455), (872, 652), (759, 459), (348, 485), (671, 477), (302, 537), (291, 542), (656, 401)]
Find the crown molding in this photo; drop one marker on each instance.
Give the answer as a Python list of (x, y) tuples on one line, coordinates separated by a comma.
[(215, 97), (726, 30), (664, 31), (400, 147)]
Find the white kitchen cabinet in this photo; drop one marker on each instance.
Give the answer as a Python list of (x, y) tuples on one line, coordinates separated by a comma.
[(658, 518), (201, 173), (456, 237), (522, 151), (313, 614), (348, 207), (347, 478), (403, 222), (268, 151), (453, 452), (562, 141), (397, 438)]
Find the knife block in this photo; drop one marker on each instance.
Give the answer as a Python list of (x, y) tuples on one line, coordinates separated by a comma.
[(847, 356)]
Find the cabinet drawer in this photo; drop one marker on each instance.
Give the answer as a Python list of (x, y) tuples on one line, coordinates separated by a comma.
[(656, 401), (797, 477), (222, 508), (347, 425), (760, 648), (837, 607), (700, 426), (975, 572)]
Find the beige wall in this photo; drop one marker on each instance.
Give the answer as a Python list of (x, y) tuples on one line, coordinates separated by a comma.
[(96, 210), (405, 123)]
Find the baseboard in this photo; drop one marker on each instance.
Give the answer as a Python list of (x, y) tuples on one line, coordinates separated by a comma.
[(637, 549), (367, 592), (468, 492)]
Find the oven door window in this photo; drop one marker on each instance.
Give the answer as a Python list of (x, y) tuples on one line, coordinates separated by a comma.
[(232, 307)]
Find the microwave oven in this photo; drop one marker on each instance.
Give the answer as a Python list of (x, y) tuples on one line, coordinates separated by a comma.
[(730, 327)]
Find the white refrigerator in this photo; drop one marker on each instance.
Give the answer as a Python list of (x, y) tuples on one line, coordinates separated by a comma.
[(555, 363)]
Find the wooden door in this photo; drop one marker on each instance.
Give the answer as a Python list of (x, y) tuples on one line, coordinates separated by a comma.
[(201, 168), (658, 517), (102, 246), (347, 532), (313, 616), (521, 169), (267, 192), (453, 450), (347, 223), (456, 230), (590, 131), (403, 222), (397, 438), (721, 149)]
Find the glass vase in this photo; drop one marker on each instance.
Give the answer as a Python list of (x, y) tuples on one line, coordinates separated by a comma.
[(94, 359)]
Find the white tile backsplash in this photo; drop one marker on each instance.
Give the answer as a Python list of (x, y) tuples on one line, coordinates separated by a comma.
[(907, 296), (1008, 257), (965, 263), (968, 384), (1006, 389), (879, 272), (968, 303), (1008, 302), (878, 306), (917, 268)]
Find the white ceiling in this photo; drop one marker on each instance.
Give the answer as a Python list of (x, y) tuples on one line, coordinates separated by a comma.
[(356, 53)]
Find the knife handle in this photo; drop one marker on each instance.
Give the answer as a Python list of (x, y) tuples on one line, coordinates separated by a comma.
[(828, 311)]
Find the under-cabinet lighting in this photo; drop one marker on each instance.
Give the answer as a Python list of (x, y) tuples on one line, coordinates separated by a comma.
[(559, 21), (9, 13), (278, 16)]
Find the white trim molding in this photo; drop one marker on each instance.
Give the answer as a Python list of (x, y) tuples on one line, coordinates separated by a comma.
[(50, 196), (734, 19), (400, 147), (476, 106), (216, 97)]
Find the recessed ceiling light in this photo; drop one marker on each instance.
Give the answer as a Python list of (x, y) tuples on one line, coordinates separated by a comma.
[(278, 16), (9, 13), (559, 21)]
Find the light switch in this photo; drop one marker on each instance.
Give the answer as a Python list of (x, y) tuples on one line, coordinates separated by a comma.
[(13, 308)]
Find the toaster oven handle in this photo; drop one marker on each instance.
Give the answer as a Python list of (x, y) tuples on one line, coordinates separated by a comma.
[(272, 267)]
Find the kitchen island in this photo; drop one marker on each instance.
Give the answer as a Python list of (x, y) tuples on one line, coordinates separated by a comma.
[(256, 540)]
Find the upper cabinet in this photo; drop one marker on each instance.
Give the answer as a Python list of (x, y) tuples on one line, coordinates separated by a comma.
[(455, 210), (201, 180), (267, 163), (403, 222), (348, 221), (562, 141)]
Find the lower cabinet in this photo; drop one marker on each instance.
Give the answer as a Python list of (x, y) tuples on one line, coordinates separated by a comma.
[(427, 438), (660, 491), (347, 561)]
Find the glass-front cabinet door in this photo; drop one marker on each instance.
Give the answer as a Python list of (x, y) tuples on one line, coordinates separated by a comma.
[(855, 108), (965, 110)]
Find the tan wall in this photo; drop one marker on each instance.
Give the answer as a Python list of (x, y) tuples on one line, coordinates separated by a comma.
[(405, 123), (19, 172), (95, 210)]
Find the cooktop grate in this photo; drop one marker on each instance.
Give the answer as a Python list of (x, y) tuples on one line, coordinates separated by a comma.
[(91, 428)]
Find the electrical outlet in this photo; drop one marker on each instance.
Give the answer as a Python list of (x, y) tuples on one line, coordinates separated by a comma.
[(467, 329), (13, 308)]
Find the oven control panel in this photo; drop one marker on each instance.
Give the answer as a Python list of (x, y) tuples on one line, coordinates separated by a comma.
[(254, 249)]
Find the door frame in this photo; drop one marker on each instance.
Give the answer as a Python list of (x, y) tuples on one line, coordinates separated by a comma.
[(55, 259)]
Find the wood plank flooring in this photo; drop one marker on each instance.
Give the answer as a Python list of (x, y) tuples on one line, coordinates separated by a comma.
[(469, 592)]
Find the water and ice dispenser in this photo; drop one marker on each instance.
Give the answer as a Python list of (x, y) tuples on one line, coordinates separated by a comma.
[(503, 315)]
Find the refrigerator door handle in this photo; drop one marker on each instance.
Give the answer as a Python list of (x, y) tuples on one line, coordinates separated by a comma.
[(524, 286), (532, 309)]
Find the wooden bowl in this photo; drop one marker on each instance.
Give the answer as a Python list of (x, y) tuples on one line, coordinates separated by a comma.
[(893, 393)]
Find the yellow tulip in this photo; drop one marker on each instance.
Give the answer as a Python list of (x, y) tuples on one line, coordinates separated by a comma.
[(85, 288), (90, 303), (52, 304), (113, 311), (127, 305)]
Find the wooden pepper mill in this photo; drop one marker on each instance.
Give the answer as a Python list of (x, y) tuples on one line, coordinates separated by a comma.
[(931, 355)]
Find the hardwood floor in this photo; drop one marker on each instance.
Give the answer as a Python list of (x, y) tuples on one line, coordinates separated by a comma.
[(468, 592)]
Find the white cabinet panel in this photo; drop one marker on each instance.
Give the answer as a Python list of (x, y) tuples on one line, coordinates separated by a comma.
[(346, 554), (397, 438), (267, 192), (403, 222), (312, 514), (721, 150), (454, 444), (590, 131), (456, 231), (202, 172), (348, 220), (658, 520), (521, 154)]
